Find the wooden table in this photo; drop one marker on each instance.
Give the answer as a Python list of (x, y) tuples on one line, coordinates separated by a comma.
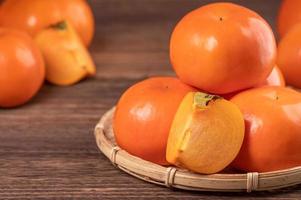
[(47, 147)]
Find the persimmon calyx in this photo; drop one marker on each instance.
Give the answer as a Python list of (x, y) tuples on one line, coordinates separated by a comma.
[(201, 100), (62, 25)]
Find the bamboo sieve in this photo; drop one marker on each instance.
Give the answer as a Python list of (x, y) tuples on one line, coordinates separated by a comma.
[(182, 179)]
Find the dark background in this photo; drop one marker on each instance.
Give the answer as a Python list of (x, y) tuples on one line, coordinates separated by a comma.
[(47, 147)]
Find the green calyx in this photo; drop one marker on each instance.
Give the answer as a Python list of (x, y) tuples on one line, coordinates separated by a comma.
[(201, 99)]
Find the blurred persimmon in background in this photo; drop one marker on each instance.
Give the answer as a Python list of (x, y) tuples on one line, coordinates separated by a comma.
[(223, 48), (144, 115), (66, 58), (34, 15), (289, 15), (289, 57), (21, 66)]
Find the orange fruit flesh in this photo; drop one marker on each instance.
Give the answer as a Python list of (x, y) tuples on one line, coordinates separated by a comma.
[(206, 134), (67, 59)]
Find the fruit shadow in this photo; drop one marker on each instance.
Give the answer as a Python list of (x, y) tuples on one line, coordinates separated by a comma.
[(46, 92)]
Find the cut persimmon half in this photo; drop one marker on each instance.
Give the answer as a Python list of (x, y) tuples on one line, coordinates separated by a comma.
[(206, 134)]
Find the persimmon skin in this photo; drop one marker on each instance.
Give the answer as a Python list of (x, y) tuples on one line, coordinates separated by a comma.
[(289, 57), (144, 115), (22, 69), (35, 15), (272, 133), (222, 48), (289, 15), (275, 78)]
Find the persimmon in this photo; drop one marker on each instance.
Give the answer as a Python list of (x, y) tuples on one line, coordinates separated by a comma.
[(72, 63), (206, 133), (222, 48), (289, 57), (144, 115), (22, 69), (35, 15), (272, 129), (275, 78), (289, 15)]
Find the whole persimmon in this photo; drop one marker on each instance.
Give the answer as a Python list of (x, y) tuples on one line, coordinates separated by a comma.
[(289, 57), (222, 48), (22, 69), (289, 15), (144, 115), (34, 15), (272, 129)]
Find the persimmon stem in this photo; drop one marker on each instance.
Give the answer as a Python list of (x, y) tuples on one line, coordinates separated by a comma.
[(201, 99), (62, 25)]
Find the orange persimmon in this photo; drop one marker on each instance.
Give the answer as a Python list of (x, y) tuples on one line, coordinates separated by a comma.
[(289, 57), (222, 48), (272, 129), (34, 15), (289, 15), (22, 69), (144, 115), (206, 133), (275, 78)]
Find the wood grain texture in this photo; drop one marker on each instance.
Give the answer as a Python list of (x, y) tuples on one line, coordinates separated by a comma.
[(47, 147)]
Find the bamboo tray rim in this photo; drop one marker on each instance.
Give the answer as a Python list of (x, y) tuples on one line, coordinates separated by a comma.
[(174, 177)]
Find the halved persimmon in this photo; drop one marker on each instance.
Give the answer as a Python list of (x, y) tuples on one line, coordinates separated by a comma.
[(206, 133), (67, 59)]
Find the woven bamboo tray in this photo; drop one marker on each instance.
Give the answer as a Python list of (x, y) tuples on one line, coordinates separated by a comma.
[(178, 178)]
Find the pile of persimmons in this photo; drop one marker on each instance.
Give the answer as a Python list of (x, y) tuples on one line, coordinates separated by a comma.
[(229, 106), (42, 39)]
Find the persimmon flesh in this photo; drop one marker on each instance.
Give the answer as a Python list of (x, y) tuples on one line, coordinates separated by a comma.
[(67, 59), (206, 133)]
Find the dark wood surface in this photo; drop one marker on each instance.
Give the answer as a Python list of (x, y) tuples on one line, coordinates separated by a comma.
[(47, 147)]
